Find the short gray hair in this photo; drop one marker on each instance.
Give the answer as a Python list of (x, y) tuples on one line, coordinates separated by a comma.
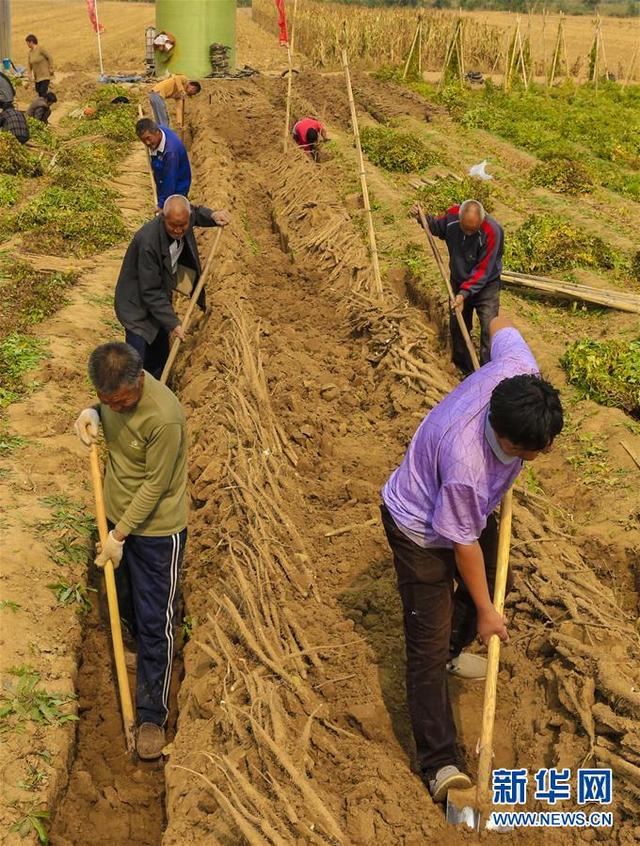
[(113, 366), (179, 199), (467, 205)]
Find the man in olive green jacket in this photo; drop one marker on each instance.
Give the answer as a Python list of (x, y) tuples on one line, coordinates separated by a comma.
[(146, 503), (40, 65)]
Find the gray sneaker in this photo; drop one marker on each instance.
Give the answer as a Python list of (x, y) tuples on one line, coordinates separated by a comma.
[(150, 741), (468, 665), (447, 778)]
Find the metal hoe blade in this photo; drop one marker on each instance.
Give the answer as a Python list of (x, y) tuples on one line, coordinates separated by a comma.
[(464, 808)]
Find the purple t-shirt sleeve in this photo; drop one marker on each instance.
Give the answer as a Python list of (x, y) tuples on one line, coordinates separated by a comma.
[(458, 515), (508, 343)]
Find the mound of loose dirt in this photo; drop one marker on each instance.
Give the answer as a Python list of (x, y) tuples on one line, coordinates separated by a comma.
[(302, 394)]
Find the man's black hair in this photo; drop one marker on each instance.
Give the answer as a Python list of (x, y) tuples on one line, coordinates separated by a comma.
[(113, 366), (527, 411), (146, 125), (50, 97), (196, 85), (312, 136), (31, 38)]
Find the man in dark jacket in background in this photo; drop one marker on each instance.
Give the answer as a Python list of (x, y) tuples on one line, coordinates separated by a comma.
[(40, 108), (475, 242), (151, 271), (13, 121), (169, 159)]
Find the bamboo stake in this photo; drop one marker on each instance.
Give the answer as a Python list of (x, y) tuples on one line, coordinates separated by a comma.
[(173, 353), (126, 703), (411, 49), (564, 48), (290, 78), (447, 59), (523, 67), (623, 295), (154, 189), (363, 178), (461, 49), (610, 299), (544, 43), (511, 56), (556, 52), (180, 117), (631, 453), (445, 278), (632, 65), (604, 53)]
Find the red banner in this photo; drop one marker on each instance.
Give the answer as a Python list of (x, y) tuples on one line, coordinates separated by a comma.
[(93, 16), (282, 23)]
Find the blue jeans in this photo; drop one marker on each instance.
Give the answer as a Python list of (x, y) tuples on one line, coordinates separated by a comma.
[(154, 356), (159, 109), (147, 582)]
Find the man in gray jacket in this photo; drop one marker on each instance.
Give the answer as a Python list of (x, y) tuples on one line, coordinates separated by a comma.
[(162, 250)]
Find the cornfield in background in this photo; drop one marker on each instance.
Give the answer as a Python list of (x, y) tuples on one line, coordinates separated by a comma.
[(382, 36)]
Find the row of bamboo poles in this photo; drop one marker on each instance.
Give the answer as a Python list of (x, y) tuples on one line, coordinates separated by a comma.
[(619, 300), (434, 40)]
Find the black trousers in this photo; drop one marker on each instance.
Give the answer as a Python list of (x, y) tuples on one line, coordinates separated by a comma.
[(42, 87), (154, 356), (486, 304), (147, 583), (438, 624)]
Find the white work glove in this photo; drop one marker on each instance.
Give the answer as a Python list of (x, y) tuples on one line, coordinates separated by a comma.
[(87, 426), (221, 218), (111, 551)]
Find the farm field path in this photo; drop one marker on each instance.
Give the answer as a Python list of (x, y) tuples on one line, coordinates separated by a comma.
[(49, 474)]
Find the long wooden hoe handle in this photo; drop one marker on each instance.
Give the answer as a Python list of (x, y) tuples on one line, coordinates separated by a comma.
[(153, 182), (114, 613), (485, 760), (180, 118), (445, 277), (173, 353)]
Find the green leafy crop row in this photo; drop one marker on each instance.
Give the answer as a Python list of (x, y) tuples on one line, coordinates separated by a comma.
[(449, 191), (545, 243), (563, 175), (396, 151), (601, 130), (606, 371)]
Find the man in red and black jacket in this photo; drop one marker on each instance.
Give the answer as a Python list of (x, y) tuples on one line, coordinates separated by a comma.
[(475, 242)]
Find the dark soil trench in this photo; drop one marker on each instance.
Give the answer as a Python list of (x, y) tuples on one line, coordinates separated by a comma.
[(112, 798)]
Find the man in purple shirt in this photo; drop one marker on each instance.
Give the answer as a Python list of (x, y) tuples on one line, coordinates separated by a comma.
[(438, 516)]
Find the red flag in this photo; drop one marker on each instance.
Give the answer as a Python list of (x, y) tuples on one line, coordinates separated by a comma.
[(282, 23), (93, 16)]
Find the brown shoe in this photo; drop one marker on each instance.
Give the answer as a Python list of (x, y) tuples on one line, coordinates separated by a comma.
[(150, 741)]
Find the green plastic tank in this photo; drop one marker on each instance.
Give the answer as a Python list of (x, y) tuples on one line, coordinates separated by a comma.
[(195, 24)]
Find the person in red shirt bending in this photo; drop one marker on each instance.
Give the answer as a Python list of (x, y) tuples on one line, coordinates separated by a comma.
[(307, 133)]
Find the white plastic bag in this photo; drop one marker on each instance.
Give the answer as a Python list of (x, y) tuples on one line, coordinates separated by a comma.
[(478, 170)]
